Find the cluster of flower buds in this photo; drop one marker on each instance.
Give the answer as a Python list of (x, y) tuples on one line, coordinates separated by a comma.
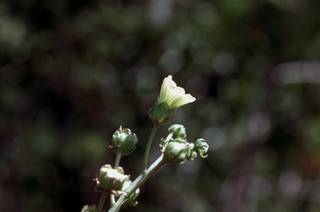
[(124, 141), (176, 148), (113, 180)]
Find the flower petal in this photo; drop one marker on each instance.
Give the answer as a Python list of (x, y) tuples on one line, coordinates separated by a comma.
[(182, 100), (174, 94), (167, 85)]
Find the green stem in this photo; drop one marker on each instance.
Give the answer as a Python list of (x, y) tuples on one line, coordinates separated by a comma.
[(137, 183), (117, 161), (102, 200), (149, 144), (103, 196), (116, 165)]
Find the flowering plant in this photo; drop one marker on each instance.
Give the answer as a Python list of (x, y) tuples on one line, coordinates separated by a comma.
[(114, 184)]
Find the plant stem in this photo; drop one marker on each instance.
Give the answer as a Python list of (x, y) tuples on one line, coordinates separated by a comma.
[(148, 147), (117, 161), (112, 200), (137, 183), (102, 199), (103, 196), (116, 165)]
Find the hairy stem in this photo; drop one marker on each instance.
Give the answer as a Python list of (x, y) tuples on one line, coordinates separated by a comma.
[(137, 183), (149, 144)]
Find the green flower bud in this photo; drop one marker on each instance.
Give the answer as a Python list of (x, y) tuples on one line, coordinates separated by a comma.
[(178, 151), (124, 141), (111, 179), (178, 131), (193, 154), (201, 147), (89, 208), (132, 198)]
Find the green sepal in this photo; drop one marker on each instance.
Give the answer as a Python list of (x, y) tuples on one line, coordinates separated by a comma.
[(159, 113)]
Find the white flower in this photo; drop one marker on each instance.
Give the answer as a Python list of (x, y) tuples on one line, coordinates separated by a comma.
[(173, 95)]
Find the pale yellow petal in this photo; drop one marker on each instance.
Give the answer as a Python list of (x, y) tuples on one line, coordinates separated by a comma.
[(175, 94), (183, 100), (167, 85)]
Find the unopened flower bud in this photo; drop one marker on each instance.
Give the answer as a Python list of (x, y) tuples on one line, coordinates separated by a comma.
[(178, 150), (178, 131), (193, 155), (89, 208), (201, 147), (132, 198), (110, 178), (124, 141)]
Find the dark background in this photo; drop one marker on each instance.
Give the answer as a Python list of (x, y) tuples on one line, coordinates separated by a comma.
[(72, 71)]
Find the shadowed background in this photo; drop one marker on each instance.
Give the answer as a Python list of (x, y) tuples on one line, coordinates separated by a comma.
[(72, 71)]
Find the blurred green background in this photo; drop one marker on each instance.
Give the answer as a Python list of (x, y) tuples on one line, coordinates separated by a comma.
[(72, 71)]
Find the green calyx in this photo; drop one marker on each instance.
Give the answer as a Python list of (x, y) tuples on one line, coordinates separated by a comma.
[(177, 149), (124, 141), (159, 113), (111, 179)]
